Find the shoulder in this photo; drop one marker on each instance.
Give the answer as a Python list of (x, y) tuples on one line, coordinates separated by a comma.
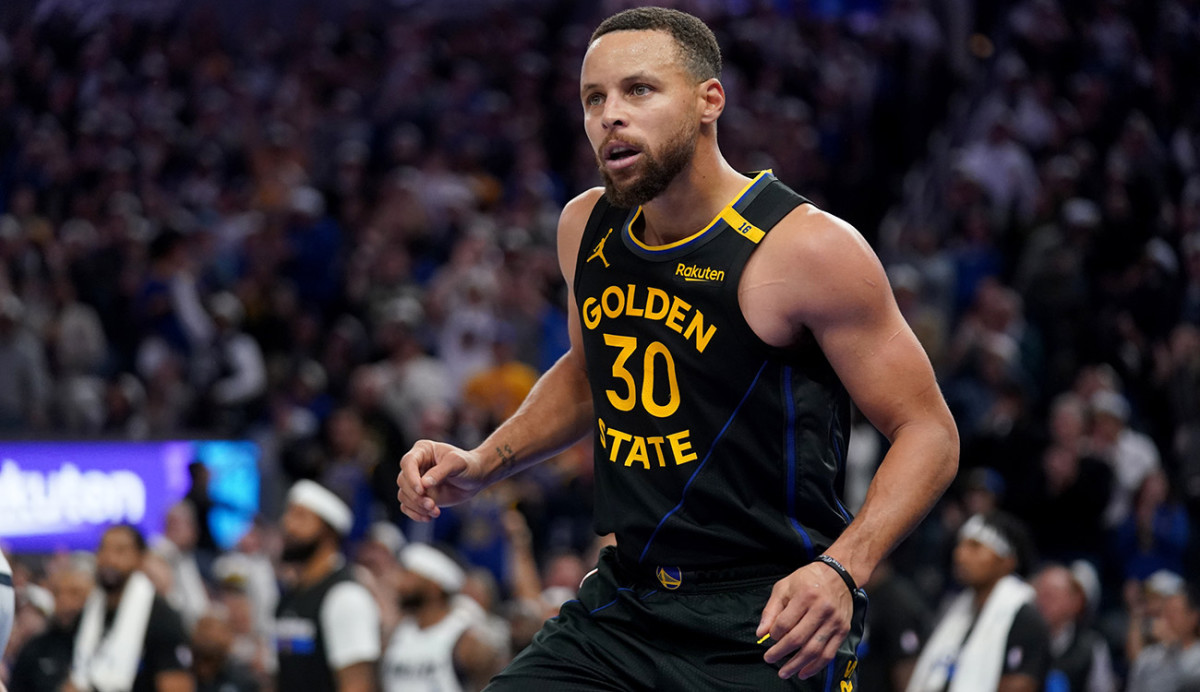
[(163, 617), (814, 244), (1028, 627), (571, 224), (578, 209), (575, 213), (815, 270), (348, 601)]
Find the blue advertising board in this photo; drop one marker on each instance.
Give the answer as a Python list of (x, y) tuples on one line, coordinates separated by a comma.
[(63, 495)]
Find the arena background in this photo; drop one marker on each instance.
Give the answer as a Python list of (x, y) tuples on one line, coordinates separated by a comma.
[(321, 231)]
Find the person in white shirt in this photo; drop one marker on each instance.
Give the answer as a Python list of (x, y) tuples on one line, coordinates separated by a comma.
[(176, 546), (327, 624), (434, 647)]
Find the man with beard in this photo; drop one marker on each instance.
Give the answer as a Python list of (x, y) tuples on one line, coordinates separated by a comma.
[(720, 326), (129, 638), (433, 647), (327, 624), (45, 661)]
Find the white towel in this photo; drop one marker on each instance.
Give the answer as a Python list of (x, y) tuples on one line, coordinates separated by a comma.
[(110, 663), (977, 663)]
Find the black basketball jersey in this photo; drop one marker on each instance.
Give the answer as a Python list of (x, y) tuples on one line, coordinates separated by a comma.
[(300, 638), (711, 447)]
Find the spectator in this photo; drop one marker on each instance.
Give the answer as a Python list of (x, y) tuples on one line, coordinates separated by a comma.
[(25, 385), (1173, 663), (45, 660), (214, 668), (898, 625), (202, 505), (176, 546), (1131, 455), (1155, 534), (129, 638), (239, 375), (327, 625), (991, 637), (8, 603), (1144, 601), (434, 645), (1080, 656)]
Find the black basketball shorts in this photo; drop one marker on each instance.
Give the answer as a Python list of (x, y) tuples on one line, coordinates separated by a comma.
[(678, 632)]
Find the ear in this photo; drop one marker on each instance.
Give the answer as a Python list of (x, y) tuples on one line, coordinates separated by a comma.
[(712, 100)]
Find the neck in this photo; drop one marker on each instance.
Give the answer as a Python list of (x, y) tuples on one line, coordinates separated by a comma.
[(696, 195), (320, 565), (431, 613), (984, 591), (206, 671), (112, 599)]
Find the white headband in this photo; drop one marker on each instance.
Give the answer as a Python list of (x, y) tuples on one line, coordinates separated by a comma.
[(323, 503), (433, 564), (977, 529)]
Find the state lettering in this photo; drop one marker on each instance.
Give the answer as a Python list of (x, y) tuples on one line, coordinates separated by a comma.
[(646, 452)]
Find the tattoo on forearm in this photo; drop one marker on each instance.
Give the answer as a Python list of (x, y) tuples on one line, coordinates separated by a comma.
[(507, 458)]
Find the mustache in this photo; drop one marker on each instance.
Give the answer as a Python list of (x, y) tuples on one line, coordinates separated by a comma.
[(637, 143)]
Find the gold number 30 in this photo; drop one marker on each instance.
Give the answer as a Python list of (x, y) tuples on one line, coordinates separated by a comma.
[(628, 345)]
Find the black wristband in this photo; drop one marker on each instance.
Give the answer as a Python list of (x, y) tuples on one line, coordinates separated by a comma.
[(837, 567)]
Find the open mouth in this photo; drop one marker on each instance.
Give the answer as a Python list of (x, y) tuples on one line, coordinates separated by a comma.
[(619, 155)]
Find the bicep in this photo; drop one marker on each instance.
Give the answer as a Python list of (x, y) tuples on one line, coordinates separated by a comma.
[(359, 677), (571, 226), (847, 304), (174, 681), (1017, 682)]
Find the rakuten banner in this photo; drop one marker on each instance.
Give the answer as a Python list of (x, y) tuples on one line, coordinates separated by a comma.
[(63, 495)]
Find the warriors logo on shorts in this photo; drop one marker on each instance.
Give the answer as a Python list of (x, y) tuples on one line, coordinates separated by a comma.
[(669, 577)]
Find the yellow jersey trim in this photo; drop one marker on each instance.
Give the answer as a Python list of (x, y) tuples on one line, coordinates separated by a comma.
[(728, 214)]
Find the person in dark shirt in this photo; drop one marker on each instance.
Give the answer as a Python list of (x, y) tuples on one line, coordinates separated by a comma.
[(215, 671), (1080, 656), (203, 503), (898, 624), (45, 660), (991, 637), (164, 660)]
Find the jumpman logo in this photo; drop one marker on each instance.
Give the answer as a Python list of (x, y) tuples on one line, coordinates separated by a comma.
[(598, 251)]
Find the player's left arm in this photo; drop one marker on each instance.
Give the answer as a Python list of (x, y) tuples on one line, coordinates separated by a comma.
[(820, 275)]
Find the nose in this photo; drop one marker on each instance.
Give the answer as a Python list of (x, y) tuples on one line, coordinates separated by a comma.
[(614, 114)]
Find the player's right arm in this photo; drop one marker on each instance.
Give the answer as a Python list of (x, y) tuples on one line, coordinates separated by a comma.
[(556, 414)]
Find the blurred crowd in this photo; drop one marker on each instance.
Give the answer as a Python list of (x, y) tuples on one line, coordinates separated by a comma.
[(334, 235)]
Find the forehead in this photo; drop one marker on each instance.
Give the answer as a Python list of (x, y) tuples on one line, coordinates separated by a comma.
[(620, 53), (302, 513), (116, 539)]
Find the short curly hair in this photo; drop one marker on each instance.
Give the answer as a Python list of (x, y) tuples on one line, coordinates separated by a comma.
[(697, 44)]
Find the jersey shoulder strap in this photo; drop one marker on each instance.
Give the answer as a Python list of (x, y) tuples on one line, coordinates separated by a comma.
[(768, 208)]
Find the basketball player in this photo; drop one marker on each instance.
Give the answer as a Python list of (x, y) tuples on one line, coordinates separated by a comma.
[(720, 326)]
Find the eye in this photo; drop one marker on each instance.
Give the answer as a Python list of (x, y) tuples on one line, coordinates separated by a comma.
[(593, 99), (640, 90)]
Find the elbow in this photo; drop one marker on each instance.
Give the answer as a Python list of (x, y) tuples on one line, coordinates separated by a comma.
[(949, 453)]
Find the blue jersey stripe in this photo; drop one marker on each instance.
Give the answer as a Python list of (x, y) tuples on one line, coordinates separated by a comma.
[(707, 456), (789, 429)]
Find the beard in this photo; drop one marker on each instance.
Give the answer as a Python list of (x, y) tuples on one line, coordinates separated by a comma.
[(412, 602), (658, 170), (111, 579), (299, 551)]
